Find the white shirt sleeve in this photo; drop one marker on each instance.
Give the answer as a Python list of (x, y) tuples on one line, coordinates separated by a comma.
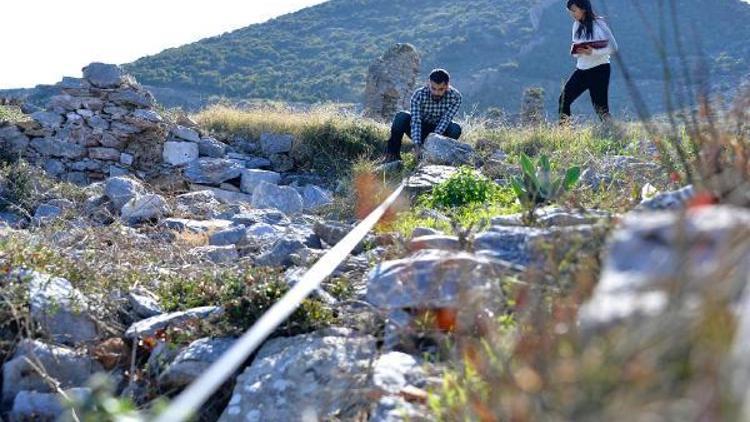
[(607, 34)]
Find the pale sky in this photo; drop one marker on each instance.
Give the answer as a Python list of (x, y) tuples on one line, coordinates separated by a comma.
[(44, 40)]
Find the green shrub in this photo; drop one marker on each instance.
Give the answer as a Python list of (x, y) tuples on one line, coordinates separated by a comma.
[(326, 147), (17, 189), (11, 114), (463, 188), (467, 199)]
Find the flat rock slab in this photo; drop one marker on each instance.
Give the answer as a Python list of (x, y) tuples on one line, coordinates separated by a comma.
[(195, 226), (428, 177), (148, 327), (224, 196), (434, 279)]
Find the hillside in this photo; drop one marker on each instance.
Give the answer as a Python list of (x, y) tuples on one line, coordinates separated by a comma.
[(534, 272), (495, 48)]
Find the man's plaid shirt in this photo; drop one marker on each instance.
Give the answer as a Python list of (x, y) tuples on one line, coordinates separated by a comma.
[(440, 113)]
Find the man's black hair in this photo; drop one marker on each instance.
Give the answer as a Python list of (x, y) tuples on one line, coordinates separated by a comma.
[(440, 76)]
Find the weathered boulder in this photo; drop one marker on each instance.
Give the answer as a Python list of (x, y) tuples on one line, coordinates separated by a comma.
[(102, 75), (646, 259), (434, 279), (186, 133), (440, 149), (315, 197), (55, 148), (144, 303), (319, 376), (201, 204), (60, 310), (280, 254), (210, 147), (180, 153), (193, 360), (282, 198), (669, 200), (440, 242), (31, 405), (427, 177), (212, 171), (273, 143), (71, 368), (12, 141), (390, 82), (120, 190), (251, 178), (216, 254), (145, 208)]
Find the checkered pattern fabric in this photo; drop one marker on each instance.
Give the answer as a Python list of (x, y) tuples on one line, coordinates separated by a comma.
[(439, 113)]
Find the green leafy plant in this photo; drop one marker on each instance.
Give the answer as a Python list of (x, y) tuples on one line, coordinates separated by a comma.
[(537, 185), (463, 188)]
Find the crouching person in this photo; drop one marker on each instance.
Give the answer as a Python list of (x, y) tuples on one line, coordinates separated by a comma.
[(433, 108)]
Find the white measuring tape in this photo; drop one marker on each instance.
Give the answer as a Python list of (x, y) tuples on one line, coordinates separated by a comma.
[(196, 394)]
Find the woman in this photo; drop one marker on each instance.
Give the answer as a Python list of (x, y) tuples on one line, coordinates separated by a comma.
[(593, 68)]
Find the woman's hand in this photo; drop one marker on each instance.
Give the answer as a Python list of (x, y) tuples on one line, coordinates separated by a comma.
[(586, 51)]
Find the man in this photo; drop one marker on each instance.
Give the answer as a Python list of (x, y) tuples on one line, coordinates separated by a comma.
[(433, 108)]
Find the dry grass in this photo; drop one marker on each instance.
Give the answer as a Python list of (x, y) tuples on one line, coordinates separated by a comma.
[(325, 141)]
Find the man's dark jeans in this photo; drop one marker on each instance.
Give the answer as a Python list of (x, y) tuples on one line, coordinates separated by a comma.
[(402, 125)]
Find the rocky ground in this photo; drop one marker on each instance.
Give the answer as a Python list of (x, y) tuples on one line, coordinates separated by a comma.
[(148, 277)]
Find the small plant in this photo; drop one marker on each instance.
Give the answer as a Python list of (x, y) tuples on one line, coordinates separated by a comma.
[(463, 188), (245, 302), (11, 114), (532, 106), (537, 185), (245, 295), (18, 190)]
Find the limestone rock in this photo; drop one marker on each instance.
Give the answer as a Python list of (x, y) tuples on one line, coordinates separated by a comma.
[(103, 75), (212, 171), (439, 149), (390, 82), (251, 178), (70, 367), (148, 327), (319, 375), (180, 153), (282, 198)]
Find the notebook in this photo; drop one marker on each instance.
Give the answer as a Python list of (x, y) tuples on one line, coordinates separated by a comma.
[(575, 48)]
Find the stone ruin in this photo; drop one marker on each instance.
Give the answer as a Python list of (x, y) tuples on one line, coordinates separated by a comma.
[(391, 81), (106, 124), (101, 125)]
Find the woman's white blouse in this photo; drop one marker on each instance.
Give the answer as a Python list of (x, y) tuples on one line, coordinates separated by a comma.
[(598, 56)]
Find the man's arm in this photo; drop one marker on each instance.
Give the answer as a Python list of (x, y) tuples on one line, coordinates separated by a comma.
[(449, 115), (416, 117)]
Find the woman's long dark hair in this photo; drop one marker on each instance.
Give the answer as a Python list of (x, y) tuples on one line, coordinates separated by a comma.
[(586, 30)]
